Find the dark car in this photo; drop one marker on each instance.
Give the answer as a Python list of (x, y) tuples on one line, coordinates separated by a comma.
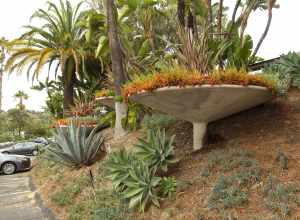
[(26, 148), (10, 164)]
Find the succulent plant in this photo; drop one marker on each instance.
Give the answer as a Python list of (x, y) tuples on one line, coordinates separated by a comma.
[(168, 186), (117, 168), (141, 186), (157, 150), (73, 147)]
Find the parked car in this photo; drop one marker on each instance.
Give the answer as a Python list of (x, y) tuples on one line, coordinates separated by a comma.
[(10, 164), (25, 148), (41, 140), (6, 144)]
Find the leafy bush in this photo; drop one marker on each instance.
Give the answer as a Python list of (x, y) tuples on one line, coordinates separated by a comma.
[(286, 71), (73, 147), (157, 121), (157, 150), (141, 187), (168, 186)]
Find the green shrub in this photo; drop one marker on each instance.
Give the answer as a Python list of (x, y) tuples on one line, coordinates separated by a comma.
[(157, 150), (73, 147), (168, 186), (157, 121)]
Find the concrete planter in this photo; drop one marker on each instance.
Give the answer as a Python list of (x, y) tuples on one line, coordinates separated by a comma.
[(203, 104), (107, 101)]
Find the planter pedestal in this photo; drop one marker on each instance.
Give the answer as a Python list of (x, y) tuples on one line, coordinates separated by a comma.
[(203, 104), (199, 131)]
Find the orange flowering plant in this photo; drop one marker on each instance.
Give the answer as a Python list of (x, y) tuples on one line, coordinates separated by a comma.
[(182, 77), (105, 93)]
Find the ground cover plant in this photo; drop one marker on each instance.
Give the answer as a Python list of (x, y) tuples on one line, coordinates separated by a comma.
[(281, 198), (181, 77), (231, 190)]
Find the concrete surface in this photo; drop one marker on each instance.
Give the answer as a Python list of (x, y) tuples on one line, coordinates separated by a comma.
[(107, 101), (20, 201), (203, 104)]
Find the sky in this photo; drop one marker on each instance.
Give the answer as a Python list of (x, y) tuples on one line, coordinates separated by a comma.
[(283, 36)]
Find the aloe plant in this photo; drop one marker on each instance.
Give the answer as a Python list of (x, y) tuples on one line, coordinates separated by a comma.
[(157, 150), (117, 168), (73, 147), (141, 187)]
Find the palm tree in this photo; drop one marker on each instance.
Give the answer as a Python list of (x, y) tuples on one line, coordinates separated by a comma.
[(58, 40), (2, 58), (271, 5), (21, 95), (119, 71)]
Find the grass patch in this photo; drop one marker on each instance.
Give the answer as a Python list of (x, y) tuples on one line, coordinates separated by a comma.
[(104, 205), (67, 195)]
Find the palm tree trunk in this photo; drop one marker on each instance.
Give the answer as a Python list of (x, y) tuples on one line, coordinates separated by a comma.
[(181, 12), (209, 17), (271, 4), (1, 79), (119, 71), (220, 15), (69, 78)]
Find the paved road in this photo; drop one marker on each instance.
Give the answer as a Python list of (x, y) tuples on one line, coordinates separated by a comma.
[(19, 201)]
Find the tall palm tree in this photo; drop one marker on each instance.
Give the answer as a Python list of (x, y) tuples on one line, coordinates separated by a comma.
[(2, 58), (117, 60), (271, 5), (58, 40), (21, 95)]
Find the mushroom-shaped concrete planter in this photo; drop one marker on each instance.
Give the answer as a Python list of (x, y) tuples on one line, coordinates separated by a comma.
[(108, 101), (203, 104)]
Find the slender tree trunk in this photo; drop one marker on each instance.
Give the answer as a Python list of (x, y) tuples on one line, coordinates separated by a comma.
[(69, 77), (209, 17), (220, 15), (271, 4), (233, 18), (181, 13), (118, 69), (2, 57), (236, 7), (1, 79)]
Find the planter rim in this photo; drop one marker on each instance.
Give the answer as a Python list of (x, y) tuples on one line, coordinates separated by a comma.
[(104, 97), (173, 88)]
